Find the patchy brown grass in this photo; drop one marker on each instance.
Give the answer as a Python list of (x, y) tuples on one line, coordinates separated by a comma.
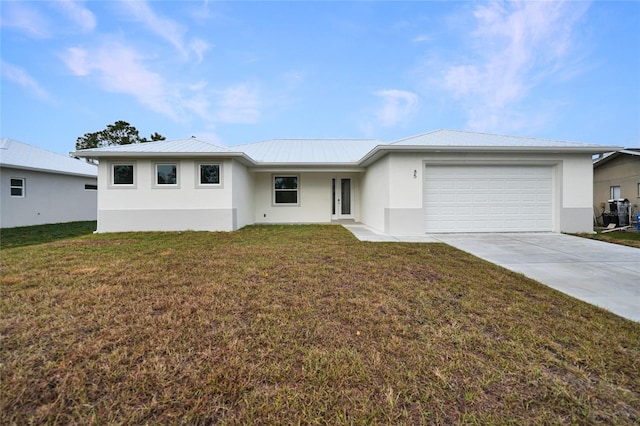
[(299, 324), (629, 238)]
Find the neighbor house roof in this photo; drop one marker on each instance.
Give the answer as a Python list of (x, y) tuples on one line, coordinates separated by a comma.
[(611, 155), (19, 155), (347, 152)]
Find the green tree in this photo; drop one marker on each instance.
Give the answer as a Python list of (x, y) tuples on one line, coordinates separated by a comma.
[(118, 133)]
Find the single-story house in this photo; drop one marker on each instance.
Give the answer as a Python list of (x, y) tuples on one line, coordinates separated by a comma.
[(39, 187), (616, 176), (441, 181)]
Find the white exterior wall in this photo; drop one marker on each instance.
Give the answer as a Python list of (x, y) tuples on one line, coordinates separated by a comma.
[(146, 207), (572, 188), (49, 198), (243, 199), (576, 213), (375, 194), (314, 197)]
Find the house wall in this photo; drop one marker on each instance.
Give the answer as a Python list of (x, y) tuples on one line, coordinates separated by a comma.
[(314, 196), (49, 198), (572, 181), (622, 171), (375, 194), (146, 207), (242, 196)]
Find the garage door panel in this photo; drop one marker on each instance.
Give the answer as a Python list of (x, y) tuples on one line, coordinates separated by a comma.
[(487, 198)]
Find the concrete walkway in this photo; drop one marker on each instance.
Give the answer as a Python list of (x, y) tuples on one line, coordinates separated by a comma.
[(603, 274)]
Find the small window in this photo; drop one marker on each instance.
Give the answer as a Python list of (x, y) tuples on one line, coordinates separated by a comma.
[(91, 187), (285, 189), (123, 174), (166, 174), (615, 192), (17, 187), (209, 174)]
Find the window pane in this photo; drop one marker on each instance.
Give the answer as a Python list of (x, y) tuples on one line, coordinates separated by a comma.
[(16, 182), (615, 192), (167, 174), (122, 174), (286, 197), (286, 182), (16, 192), (209, 174)]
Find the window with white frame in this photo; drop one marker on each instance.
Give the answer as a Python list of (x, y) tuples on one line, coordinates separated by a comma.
[(123, 174), (285, 189), (209, 174), (17, 187), (615, 192), (167, 174)]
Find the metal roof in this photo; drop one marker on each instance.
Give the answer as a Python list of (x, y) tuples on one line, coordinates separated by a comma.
[(22, 156), (189, 145), (458, 138), (309, 151), (611, 155), (358, 152)]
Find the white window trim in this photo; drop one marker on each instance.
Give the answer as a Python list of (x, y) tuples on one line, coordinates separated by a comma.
[(113, 185), (157, 185), (611, 192), (273, 190), (209, 185), (23, 187)]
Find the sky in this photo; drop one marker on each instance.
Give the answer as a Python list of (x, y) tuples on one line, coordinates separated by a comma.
[(240, 72)]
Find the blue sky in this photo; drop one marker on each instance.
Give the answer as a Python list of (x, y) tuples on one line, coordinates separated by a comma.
[(239, 72)]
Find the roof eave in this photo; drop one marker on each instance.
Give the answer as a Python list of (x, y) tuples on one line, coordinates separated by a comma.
[(381, 150), (128, 154)]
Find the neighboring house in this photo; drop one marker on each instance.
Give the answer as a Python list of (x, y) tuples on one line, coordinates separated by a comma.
[(38, 186), (442, 181), (616, 175)]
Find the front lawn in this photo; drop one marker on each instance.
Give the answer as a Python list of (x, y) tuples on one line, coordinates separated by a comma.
[(626, 238), (298, 324)]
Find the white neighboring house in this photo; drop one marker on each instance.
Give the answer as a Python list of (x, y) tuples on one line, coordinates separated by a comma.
[(39, 187), (441, 181)]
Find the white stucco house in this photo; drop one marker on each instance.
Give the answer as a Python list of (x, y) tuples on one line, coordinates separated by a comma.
[(441, 181), (39, 187)]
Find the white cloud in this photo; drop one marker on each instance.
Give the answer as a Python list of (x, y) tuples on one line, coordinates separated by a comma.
[(398, 106), (20, 16), (80, 15), (119, 69), (239, 104), (165, 28), (22, 78), (516, 46)]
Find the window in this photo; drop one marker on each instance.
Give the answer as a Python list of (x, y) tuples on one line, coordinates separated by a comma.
[(209, 174), (17, 187), (285, 189), (122, 174), (615, 192), (167, 174), (91, 187)]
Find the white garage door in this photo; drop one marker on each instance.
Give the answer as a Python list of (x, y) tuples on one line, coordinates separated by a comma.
[(487, 199)]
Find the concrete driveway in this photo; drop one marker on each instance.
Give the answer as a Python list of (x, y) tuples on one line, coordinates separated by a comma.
[(603, 274)]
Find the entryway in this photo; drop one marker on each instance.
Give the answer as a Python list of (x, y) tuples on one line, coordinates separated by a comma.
[(342, 205)]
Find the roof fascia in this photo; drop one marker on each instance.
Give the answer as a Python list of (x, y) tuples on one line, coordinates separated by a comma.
[(308, 167), (614, 155), (241, 156), (381, 150)]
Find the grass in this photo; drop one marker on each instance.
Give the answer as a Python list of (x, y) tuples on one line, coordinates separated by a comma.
[(298, 325), (30, 235), (626, 238)]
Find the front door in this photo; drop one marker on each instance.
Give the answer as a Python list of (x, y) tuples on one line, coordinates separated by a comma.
[(342, 200)]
